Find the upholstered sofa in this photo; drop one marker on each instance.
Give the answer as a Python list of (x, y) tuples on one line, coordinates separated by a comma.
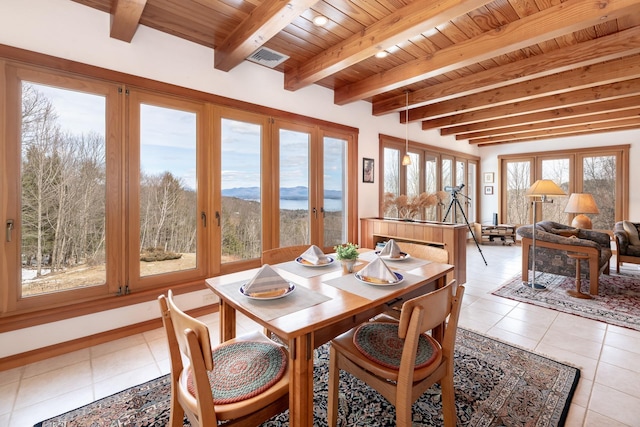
[(627, 242), (555, 240)]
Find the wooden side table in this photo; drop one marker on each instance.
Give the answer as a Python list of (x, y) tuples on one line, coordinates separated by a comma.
[(577, 293)]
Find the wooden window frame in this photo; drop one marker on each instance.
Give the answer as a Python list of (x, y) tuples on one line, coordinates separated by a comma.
[(11, 317)]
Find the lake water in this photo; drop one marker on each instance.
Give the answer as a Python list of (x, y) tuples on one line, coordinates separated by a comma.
[(331, 205)]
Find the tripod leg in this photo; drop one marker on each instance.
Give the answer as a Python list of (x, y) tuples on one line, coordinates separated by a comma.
[(470, 230), (444, 219)]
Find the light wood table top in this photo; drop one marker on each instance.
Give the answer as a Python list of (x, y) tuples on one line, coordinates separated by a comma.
[(319, 312)]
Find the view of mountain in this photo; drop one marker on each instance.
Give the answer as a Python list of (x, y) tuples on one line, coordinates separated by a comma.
[(286, 193)]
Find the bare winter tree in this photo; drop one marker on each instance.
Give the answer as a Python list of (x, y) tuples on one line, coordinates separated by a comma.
[(41, 142)]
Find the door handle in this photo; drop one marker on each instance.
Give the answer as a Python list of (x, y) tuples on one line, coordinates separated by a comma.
[(9, 229)]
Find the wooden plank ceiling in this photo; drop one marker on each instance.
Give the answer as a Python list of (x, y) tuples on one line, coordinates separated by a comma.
[(489, 72)]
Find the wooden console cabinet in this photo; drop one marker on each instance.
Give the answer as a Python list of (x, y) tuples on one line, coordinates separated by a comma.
[(452, 237)]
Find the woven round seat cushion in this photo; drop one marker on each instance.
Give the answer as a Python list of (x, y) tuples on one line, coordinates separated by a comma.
[(380, 343), (243, 369)]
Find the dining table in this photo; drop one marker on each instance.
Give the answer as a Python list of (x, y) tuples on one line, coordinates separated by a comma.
[(324, 302)]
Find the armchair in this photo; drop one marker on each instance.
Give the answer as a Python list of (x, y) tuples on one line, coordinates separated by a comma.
[(554, 240), (627, 243)]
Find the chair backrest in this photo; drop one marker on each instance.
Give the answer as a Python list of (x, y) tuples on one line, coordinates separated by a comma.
[(278, 255), (189, 341), (432, 253), (424, 313)]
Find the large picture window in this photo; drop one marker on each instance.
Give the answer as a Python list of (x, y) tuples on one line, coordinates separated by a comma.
[(432, 174), (112, 189), (600, 171)]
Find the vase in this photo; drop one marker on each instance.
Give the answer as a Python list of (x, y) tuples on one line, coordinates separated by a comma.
[(347, 265)]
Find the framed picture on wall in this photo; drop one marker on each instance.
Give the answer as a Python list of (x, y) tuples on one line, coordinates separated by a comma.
[(488, 177), (367, 170), (488, 189)]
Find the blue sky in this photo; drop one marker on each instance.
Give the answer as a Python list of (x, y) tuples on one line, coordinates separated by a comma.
[(168, 143)]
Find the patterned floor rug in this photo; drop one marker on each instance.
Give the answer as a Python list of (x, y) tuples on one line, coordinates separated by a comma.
[(617, 302), (496, 385)]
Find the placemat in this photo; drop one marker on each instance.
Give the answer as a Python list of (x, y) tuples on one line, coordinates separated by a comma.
[(349, 283), (307, 272), (299, 299), (407, 264)]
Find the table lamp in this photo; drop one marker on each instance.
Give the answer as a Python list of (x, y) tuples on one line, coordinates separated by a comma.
[(542, 188), (581, 203)]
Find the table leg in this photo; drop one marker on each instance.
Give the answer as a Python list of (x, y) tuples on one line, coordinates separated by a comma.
[(301, 381), (577, 293), (227, 321)]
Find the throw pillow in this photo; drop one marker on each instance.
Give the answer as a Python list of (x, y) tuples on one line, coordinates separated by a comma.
[(632, 232), (565, 232)]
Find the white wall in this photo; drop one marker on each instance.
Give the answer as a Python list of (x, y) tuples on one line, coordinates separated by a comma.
[(65, 29)]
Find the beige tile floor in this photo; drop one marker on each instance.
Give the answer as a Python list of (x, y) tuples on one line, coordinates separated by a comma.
[(608, 393)]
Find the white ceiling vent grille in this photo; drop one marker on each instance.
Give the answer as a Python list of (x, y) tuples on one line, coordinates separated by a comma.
[(267, 57)]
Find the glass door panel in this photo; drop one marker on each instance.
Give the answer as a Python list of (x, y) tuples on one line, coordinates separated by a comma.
[(293, 188), (446, 174), (556, 170), (413, 175), (241, 221), (599, 179), (431, 184), (334, 204), (471, 192), (518, 181), (63, 171), (391, 165), (168, 186), (461, 195)]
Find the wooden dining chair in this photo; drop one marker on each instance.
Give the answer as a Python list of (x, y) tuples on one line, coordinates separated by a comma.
[(431, 253), (399, 359), (287, 253), (244, 381), (416, 250)]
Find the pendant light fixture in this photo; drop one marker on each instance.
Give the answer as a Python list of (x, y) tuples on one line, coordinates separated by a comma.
[(406, 160)]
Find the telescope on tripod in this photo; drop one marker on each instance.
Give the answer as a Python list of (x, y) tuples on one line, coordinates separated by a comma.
[(455, 203)]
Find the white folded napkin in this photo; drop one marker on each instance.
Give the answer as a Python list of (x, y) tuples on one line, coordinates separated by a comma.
[(314, 255), (391, 250), (378, 272), (266, 283)]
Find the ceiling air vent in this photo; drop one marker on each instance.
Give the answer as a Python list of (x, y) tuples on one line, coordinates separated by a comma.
[(267, 57)]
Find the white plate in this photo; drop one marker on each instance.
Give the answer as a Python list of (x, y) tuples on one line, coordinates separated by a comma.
[(403, 256), (292, 287), (299, 261), (399, 276)]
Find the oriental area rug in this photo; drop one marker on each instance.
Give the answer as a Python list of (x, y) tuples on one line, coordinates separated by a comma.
[(496, 385), (617, 302)]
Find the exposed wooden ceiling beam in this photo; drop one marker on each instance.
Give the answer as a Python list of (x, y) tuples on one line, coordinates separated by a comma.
[(555, 124), (566, 100), (624, 43), (126, 18), (621, 69), (544, 116), (565, 135), (632, 123), (264, 22), (550, 23), (398, 27)]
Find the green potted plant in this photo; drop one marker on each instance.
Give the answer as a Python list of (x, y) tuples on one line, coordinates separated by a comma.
[(347, 254)]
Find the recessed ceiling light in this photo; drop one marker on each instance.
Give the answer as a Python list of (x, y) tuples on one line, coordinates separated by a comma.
[(382, 54), (320, 21)]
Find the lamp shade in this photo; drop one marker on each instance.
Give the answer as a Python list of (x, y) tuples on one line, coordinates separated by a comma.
[(581, 203), (545, 187)]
